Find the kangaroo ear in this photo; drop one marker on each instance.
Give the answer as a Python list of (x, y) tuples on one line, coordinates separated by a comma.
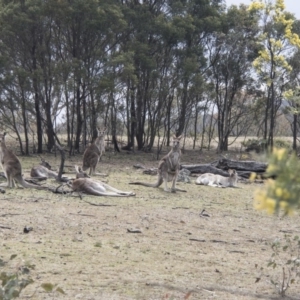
[(179, 137)]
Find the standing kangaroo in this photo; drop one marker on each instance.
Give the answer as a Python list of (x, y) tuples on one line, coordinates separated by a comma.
[(93, 187), (218, 180), (168, 168), (12, 167), (93, 153)]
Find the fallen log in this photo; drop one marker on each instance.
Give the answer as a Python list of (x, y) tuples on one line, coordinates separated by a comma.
[(243, 168), (204, 168), (250, 166)]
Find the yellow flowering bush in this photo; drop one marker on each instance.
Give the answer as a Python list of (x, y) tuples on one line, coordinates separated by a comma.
[(273, 48), (280, 4), (256, 5), (282, 190)]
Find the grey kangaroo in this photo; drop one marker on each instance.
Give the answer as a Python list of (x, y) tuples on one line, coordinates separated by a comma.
[(168, 169), (93, 153), (12, 167), (93, 187)]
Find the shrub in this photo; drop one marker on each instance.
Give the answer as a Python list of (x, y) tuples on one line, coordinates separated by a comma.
[(284, 264), (13, 284)]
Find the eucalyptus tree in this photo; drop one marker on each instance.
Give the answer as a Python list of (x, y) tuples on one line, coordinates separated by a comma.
[(292, 92), (230, 53), (147, 88), (278, 42), (166, 40), (292, 95), (21, 32), (86, 34), (196, 19)]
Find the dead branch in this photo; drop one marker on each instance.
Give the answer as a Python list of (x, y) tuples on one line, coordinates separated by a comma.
[(98, 204)]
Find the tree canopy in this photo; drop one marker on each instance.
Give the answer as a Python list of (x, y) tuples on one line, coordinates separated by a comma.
[(145, 69)]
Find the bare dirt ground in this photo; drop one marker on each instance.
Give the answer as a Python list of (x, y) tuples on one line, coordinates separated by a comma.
[(90, 253)]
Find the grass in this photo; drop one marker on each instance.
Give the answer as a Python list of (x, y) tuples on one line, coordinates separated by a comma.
[(88, 252)]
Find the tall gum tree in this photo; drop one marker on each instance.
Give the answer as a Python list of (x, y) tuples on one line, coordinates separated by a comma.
[(292, 94), (278, 41), (230, 55)]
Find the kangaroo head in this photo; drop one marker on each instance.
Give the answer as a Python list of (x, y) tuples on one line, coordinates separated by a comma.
[(80, 173), (45, 164), (176, 142), (101, 132), (231, 172)]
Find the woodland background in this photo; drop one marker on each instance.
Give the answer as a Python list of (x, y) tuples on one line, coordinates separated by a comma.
[(147, 69)]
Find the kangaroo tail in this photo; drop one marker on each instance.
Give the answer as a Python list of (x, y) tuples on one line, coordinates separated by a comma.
[(154, 185), (25, 184)]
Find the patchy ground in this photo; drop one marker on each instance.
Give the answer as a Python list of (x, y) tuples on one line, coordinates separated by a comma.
[(90, 253)]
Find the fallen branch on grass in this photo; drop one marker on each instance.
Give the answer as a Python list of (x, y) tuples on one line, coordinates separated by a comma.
[(98, 204), (5, 227)]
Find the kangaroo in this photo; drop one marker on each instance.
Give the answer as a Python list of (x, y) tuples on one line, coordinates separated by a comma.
[(218, 180), (168, 169), (12, 167), (43, 171), (93, 153), (93, 187), (80, 173)]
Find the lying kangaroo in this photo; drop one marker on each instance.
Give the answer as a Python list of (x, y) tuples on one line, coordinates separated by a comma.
[(12, 167), (93, 153), (218, 180), (96, 188), (168, 168), (43, 171)]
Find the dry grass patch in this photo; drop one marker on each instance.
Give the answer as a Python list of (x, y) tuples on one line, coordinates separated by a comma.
[(88, 251)]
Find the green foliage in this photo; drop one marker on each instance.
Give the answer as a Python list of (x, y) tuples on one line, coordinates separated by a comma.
[(279, 143), (52, 288), (259, 145), (284, 264), (13, 284), (284, 191)]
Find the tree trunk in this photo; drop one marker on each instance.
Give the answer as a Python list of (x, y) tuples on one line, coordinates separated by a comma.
[(23, 107), (79, 118), (38, 117), (295, 120), (182, 113)]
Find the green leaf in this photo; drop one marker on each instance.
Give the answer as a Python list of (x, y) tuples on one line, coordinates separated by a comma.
[(270, 263), (48, 287), (60, 290), (13, 256)]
